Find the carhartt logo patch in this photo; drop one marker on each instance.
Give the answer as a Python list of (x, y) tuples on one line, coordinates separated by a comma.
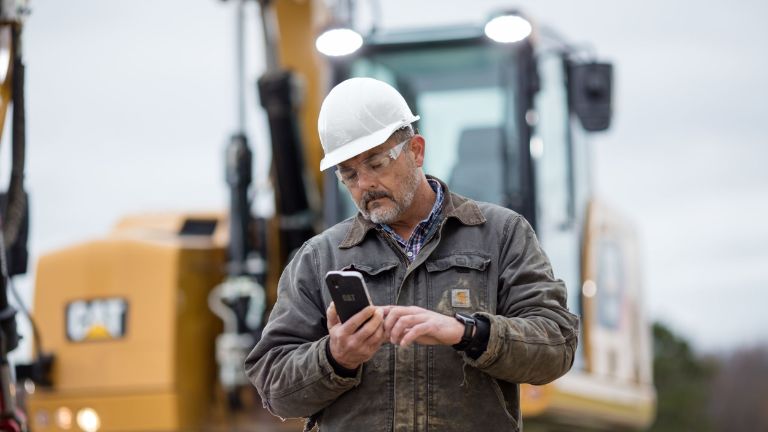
[(460, 298)]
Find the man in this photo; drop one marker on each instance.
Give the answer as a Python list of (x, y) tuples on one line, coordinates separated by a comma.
[(466, 305)]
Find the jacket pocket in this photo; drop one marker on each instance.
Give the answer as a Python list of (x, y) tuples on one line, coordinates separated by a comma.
[(510, 407), (379, 278), (458, 283), (462, 398)]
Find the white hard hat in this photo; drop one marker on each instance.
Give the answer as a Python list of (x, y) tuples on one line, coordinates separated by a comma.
[(357, 115)]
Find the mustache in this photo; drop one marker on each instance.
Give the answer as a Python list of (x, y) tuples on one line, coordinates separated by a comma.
[(369, 196)]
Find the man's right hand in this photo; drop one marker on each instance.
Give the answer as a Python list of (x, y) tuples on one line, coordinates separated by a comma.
[(353, 343)]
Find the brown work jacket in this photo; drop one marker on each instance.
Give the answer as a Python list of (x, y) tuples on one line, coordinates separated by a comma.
[(484, 248)]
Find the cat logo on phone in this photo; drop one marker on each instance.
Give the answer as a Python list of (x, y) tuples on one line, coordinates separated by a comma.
[(95, 320)]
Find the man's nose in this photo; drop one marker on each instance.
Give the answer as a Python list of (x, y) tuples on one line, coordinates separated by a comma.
[(366, 180)]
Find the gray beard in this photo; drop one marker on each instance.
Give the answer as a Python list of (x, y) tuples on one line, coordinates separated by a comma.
[(388, 215)]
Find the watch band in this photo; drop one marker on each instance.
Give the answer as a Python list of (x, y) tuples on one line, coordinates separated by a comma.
[(469, 326)]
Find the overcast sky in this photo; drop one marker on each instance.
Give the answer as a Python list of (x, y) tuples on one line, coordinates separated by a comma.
[(130, 105)]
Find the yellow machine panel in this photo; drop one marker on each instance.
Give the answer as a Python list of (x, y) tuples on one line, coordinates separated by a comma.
[(128, 319)]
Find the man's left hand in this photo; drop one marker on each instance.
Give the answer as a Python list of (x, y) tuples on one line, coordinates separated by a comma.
[(405, 325)]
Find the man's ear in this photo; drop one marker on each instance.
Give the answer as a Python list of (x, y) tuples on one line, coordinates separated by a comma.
[(418, 146)]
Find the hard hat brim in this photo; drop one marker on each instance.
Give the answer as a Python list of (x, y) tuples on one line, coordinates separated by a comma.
[(361, 145)]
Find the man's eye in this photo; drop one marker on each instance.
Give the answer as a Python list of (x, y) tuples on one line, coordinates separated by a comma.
[(378, 164), (349, 176)]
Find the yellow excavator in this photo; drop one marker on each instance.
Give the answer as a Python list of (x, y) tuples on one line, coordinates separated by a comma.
[(146, 328)]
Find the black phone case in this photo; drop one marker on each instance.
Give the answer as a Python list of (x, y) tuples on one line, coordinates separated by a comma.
[(348, 295)]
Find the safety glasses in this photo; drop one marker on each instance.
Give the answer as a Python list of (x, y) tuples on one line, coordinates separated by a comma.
[(375, 165)]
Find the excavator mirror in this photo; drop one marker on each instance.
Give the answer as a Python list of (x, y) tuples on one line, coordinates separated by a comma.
[(590, 93)]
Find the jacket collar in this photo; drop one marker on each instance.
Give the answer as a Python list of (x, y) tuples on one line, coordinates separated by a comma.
[(455, 206)]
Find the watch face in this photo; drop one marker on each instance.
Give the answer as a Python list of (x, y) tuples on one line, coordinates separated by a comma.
[(465, 318), (469, 326)]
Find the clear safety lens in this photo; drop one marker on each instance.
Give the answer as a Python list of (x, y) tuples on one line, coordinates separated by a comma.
[(374, 165)]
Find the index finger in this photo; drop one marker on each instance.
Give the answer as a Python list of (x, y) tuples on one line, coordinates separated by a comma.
[(395, 312)]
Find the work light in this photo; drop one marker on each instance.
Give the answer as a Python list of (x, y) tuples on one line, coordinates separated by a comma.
[(508, 27), (339, 41)]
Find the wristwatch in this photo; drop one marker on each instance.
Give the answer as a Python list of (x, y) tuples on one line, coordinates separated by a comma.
[(469, 326)]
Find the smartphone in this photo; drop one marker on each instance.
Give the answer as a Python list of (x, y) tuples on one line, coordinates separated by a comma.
[(348, 291)]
